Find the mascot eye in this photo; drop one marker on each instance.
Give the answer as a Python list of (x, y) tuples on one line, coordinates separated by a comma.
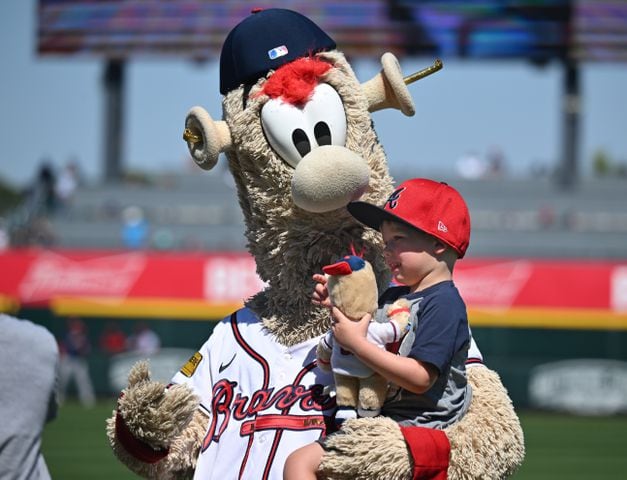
[(323, 134), (301, 142), (293, 131)]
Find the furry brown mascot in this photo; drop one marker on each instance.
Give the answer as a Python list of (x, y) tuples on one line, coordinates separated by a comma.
[(300, 144)]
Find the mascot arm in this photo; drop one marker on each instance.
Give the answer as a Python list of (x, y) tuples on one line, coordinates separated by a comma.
[(156, 431), (487, 443)]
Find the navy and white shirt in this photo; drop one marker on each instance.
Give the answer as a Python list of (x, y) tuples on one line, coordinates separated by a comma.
[(441, 337)]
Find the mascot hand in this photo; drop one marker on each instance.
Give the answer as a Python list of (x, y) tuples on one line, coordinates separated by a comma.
[(156, 432), (153, 413)]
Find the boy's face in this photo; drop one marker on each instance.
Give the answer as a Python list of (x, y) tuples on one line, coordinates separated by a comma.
[(409, 253)]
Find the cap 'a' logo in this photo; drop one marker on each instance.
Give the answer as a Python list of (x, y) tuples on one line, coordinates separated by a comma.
[(442, 227), (277, 52), (392, 201)]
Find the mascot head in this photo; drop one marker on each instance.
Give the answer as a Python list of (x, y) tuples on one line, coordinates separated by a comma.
[(300, 143)]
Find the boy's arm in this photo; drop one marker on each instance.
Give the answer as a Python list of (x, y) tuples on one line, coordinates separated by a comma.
[(408, 373)]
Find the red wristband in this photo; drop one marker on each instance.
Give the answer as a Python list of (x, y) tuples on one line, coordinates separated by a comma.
[(135, 447), (430, 450)]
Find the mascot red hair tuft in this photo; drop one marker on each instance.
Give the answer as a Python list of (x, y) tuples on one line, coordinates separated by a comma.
[(295, 81)]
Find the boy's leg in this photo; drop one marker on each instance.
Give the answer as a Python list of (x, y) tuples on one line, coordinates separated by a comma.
[(302, 464)]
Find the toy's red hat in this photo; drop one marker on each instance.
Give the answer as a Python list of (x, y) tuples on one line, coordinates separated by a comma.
[(433, 207), (346, 266)]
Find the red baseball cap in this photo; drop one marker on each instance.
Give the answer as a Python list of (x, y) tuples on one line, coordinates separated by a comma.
[(433, 207)]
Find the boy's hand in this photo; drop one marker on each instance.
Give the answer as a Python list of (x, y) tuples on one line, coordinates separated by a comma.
[(349, 333), (320, 294)]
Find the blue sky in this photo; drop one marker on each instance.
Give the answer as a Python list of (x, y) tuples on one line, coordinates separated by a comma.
[(53, 108)]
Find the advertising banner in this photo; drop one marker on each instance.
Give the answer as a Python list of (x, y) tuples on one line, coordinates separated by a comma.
[(569, 294)]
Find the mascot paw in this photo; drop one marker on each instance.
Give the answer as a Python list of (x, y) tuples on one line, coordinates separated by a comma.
[(153, 413), (367, 448)]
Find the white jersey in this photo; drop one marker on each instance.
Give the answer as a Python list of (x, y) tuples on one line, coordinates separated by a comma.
[(264, 400)]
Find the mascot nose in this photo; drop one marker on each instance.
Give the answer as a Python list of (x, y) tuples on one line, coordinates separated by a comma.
[(328, 178)]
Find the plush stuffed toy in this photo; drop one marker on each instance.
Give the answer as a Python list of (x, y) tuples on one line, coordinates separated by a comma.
[(300, 144), (352, 286)]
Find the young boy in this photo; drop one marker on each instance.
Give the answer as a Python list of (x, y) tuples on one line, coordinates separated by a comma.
[(425, 227)]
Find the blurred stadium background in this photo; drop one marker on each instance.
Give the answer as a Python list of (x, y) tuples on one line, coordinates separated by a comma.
[(545, 278)]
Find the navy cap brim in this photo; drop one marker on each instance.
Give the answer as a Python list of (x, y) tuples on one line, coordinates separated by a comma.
[(371, 215)]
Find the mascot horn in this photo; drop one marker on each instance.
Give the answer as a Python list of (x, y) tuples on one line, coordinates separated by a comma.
[(300, 144)]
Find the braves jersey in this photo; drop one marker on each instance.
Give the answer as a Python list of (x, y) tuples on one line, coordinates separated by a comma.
[(264, 400)]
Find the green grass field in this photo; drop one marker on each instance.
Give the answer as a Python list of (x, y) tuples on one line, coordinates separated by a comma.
[(558, 446)]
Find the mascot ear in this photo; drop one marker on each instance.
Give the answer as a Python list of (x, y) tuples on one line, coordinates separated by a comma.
[(389, 88), (205, 138)]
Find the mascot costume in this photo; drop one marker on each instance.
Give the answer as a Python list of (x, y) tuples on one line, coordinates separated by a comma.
[(300, 145)]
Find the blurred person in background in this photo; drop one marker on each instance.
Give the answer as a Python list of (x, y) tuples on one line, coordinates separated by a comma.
[(66, 184), (75, 349), (29, 224), (30, 359), (470, 166), (42, 195), (4, 235), (496, 162), (134, 228), (144, 341), (113, 340)]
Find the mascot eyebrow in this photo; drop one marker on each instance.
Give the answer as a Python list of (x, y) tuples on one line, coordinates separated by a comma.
[(294, 82)]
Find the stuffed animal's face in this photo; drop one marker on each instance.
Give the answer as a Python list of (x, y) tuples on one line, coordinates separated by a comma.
[(352, 286)]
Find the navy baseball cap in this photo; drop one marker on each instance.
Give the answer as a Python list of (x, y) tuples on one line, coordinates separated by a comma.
[(266, 40)]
